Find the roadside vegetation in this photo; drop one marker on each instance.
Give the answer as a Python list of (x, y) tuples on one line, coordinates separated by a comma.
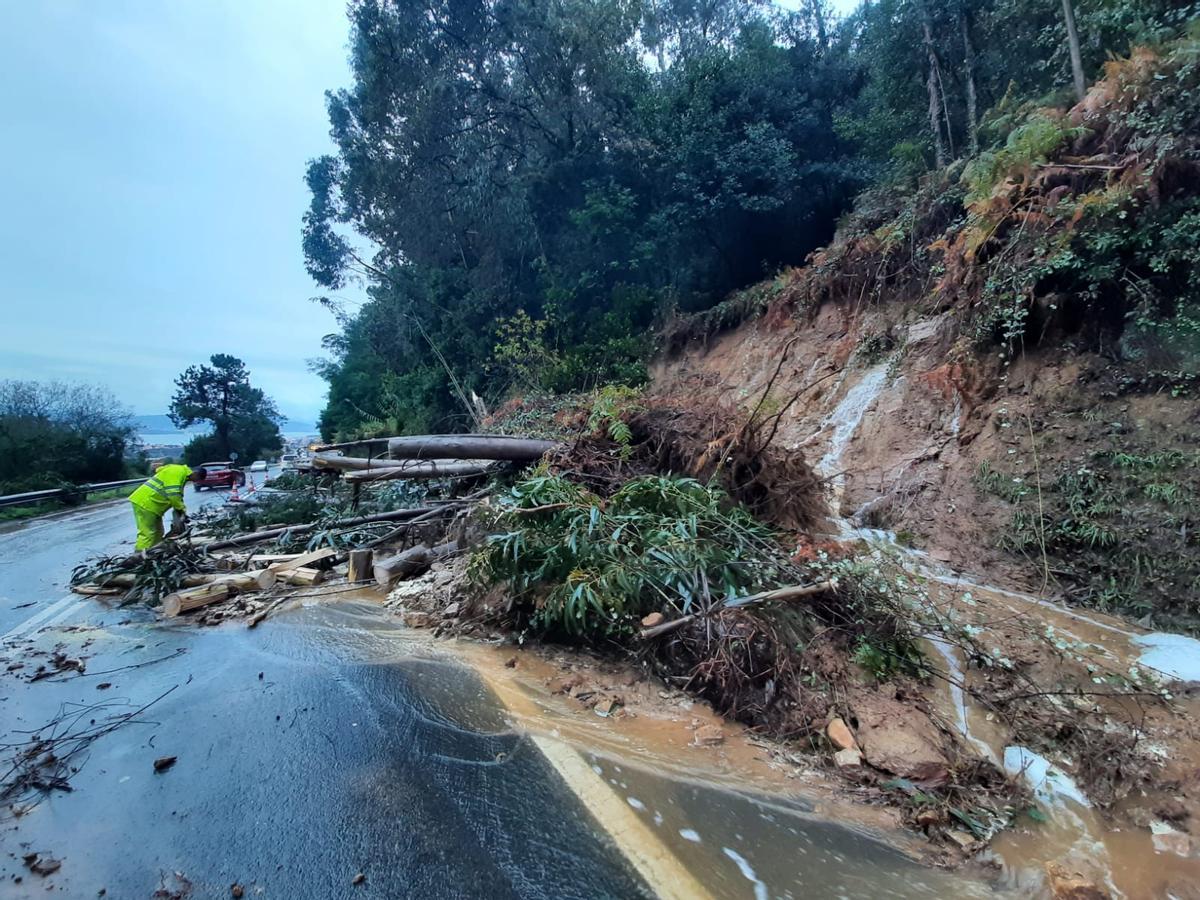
[(57, 436)]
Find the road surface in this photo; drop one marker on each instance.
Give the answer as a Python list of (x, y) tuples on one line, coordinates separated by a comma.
[(330, 744)]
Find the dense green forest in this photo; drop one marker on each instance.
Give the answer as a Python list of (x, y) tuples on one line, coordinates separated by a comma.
[(528, 188)]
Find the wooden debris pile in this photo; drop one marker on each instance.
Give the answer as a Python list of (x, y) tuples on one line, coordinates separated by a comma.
[(226, 578)]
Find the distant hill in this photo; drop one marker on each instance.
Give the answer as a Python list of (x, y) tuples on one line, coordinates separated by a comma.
[(159, 424)]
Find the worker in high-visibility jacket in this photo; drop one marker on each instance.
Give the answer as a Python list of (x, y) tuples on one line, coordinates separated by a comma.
[(162, 491)]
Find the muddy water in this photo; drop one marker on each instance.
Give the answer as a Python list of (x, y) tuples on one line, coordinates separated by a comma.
[(728, 818)]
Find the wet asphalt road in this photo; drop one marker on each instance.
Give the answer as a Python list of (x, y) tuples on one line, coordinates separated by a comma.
[(327, 743)]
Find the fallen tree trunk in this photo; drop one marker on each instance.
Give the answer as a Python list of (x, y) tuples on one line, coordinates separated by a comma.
[(469, 446), (411, 562), (340, 463), (254, 537), (786, 593), (419, 470)]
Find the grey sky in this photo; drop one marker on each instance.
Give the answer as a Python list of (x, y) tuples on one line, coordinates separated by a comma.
[(153, 160), (154, 157)]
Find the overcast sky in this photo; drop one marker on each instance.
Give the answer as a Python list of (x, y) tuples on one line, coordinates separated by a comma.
[(153, 158)]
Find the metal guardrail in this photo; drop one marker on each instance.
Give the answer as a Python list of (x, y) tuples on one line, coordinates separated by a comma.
[(30, 497)]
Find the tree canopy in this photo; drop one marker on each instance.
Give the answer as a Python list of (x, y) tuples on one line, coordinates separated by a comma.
[(244, 420), (527, 187)]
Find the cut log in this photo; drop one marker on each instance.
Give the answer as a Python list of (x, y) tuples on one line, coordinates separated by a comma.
[(411, 562), (193, 598), (361, 563), (469, 446), (257, 580), (304, 577), (418, 470), (302, 561)]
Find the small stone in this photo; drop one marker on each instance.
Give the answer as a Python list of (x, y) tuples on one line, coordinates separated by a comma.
[(358, 879), (962, 839), (452, 610), (164, 762), (237, 891), (709, 736), (1168, 840), (566, 685), (104, 685), (655, 618), (1068, 885), (510, 663), (848, 758), (41, 865), (840, 735), (606, 706), (929, 817)]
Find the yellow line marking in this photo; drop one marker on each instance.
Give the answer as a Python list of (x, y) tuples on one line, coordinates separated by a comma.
[(666, 876)]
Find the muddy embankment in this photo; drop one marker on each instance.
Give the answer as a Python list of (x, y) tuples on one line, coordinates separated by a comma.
[(930, 464)]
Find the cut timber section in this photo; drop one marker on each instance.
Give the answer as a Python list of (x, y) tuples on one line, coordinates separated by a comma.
[(220, 587), (361, 566), (411, 562)]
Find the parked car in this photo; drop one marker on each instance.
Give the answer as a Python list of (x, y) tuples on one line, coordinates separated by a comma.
[(290, 460), (259, 465), (220, 474)]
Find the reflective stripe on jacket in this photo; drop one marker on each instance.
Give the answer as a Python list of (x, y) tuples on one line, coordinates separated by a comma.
[(163, 490)]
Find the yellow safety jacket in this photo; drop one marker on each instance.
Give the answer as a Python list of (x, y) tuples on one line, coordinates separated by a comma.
[(163, 491)]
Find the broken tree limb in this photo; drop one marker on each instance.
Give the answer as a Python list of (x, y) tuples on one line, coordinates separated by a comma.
[(418, 470), (412, 561), (361, 565), (425, 517), (253, 621), (794, 592), (469, 446)]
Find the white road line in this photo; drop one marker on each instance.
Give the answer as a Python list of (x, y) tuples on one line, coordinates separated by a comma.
[(39, 617), (64, 615)]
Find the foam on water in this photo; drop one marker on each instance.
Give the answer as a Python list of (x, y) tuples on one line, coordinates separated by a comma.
[(1049, 784), (1174, 655)]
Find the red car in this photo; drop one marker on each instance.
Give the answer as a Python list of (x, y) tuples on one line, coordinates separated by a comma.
[(219, 474)]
